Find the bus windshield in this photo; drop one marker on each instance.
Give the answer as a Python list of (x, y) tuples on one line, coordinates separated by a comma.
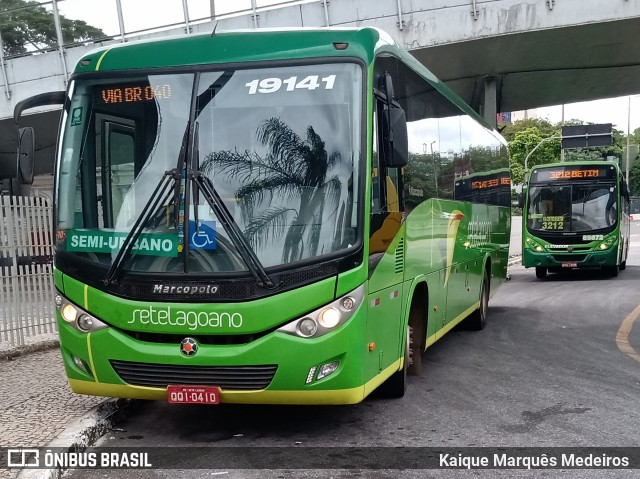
[(279, 146), (572, 208)]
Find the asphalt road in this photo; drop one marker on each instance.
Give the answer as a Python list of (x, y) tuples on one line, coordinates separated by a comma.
[(549, 370)]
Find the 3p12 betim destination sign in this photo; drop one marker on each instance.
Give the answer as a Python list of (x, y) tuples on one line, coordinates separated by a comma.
[(573, 173)]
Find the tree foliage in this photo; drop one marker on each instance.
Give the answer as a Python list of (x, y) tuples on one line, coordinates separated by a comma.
[(295, 171), (26, 26), (543, 126), (523, 145), (524, 135)]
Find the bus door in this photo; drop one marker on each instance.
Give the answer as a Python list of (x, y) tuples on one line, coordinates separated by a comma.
[(386, 261)]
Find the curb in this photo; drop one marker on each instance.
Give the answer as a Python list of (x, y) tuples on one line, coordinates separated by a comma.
[(82, 434), (515, 260), (10, 354)]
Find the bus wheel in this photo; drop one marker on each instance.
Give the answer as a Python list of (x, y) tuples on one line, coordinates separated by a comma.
[(541, 272), (611, 271), (478, 319), (396, 385), (623, 266)]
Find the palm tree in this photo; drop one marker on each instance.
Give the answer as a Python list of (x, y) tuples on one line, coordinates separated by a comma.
[(293, 168)]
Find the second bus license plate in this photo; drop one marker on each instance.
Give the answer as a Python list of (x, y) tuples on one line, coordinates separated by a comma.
[(193, 394), (570, 264)]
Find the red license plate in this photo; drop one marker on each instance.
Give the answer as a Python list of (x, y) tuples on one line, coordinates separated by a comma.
[(569, 265), (193, 394)]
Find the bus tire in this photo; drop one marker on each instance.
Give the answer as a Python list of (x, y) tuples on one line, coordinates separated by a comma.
[(478, 319), (623, 265), (541, 272), (396, 385), (611, 271)]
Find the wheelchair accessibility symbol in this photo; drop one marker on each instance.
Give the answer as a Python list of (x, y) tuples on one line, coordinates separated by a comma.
[(203, 237)]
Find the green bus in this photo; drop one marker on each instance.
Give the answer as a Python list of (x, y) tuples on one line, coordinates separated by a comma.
[(577, 216), (251, 217)]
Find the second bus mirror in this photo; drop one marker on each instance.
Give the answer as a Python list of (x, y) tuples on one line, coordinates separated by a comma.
[(521, 200), (395, 142)]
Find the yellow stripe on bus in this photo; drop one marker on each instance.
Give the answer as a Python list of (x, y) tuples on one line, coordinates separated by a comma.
[(451, 324), (319, 397), (93, 368), (101, 58)]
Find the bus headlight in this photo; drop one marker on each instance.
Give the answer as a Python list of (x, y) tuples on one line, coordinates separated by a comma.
[(307, 328), (77, 317), (534, 246), (607, 243), (327, 318), (69, 312), (85, 322)]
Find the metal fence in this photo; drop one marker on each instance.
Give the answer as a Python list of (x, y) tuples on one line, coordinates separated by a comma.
[(26, 292)]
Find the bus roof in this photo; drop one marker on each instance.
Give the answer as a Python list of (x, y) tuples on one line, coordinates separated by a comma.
[(238, 46)]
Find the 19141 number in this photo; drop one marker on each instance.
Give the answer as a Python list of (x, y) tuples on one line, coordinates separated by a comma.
[(272, 85)]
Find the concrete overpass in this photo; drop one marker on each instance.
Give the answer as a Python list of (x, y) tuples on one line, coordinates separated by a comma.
[(498, 55)]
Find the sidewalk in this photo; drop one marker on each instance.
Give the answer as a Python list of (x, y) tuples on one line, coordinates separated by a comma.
[(37, 405)]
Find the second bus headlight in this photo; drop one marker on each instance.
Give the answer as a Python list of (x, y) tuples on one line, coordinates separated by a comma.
[(327, 318), (534, 246)]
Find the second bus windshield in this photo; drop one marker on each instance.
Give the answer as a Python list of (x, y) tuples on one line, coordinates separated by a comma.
[(572, 207)]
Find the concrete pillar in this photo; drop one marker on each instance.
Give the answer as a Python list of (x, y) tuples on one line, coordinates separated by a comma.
[(489, 105)]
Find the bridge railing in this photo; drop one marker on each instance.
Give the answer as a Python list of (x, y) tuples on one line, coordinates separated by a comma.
[(117, 20)]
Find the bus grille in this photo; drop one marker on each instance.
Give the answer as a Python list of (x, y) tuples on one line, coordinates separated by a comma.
[(569, 257), (226, 377)]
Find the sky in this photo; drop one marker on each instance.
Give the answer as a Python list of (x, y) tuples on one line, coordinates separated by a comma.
[(141, 14), (610, 110)]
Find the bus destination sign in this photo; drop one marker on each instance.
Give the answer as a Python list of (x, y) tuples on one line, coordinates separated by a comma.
[(573, 172)]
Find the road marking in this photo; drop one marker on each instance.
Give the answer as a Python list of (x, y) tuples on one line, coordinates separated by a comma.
[(622, 336)]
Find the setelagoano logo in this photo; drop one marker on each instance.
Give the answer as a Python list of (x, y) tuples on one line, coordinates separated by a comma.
[(192, 320)]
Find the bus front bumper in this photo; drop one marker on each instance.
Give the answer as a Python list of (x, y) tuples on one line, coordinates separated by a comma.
[(92, 361), (563, 259)]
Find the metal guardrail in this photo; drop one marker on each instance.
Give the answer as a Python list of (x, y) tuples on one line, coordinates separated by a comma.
[(26, 270)]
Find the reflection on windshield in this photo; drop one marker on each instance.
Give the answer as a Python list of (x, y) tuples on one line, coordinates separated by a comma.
[(572, 208), (289, 192)]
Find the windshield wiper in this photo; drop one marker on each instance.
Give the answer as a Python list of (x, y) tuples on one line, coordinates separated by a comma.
[(204, 184), (155, 200)]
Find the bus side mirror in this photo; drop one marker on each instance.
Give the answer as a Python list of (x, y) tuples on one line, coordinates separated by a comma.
[(624, 190), (23, 179), (26, 153), (521, 200), (395, 143)]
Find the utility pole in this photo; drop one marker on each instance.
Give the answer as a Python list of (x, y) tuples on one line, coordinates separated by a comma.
[(628, 139)]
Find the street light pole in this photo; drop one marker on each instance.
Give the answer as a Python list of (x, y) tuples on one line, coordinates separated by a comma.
[(526, 160), (628, 137), (435, 170)]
